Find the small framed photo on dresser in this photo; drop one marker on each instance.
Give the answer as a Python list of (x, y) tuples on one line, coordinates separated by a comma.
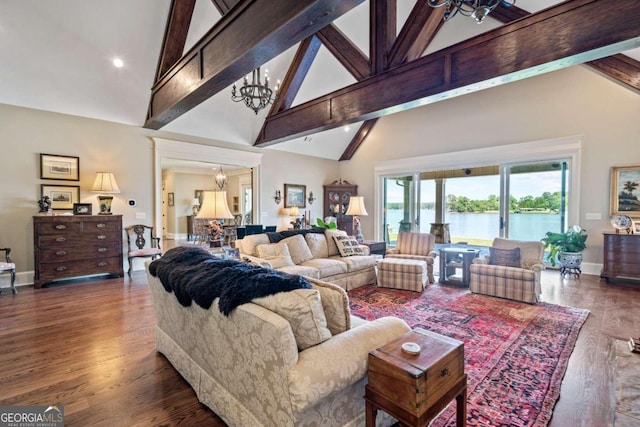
[(82, 208)]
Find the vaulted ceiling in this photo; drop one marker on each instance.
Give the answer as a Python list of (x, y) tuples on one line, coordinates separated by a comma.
[(341, 62)]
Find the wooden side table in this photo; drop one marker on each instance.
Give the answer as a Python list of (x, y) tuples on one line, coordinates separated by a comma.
[(453, 260), (414, 389), (375, 247)]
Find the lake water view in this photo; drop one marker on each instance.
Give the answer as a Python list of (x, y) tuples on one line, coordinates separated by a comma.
[(483, 226)]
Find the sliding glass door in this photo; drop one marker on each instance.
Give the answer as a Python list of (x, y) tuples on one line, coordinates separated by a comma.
[(518, 201)]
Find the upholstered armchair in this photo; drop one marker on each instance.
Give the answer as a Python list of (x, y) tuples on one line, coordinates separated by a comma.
[(511, 271), (415, 246)]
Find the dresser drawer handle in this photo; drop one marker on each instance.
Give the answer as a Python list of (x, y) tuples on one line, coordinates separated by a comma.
[(101, 225), (61, 253), (60, 227), (102, 264), (444, 372), (61, 239), (61, 268), (102, 249), (101, 237)]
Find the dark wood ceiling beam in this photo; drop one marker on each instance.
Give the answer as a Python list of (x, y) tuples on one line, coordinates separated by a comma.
[(250, 34), (358, 139), (347, 53), (296, 73), (507, 14), (420, 28), (621, 68), (175, 35), (224, 6), (382, 32), (567, 34)]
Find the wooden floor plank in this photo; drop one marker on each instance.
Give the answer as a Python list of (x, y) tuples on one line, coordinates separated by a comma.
[(89, 345)]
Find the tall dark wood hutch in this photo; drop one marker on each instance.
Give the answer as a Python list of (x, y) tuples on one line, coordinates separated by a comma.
[(336, 200)]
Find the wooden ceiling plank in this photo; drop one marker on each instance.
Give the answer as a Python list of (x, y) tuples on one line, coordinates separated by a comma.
[(343, 49), (507, 14), (621, 68), (567, 34), (175, 35), (252, 33), (358, 139), (420, 28), (382, 32)]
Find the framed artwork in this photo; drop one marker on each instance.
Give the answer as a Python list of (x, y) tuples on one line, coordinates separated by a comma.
[(82, 208), (62, 196), (65, 168), (171, 199), (295, 195), (198, 194), (625, 191)]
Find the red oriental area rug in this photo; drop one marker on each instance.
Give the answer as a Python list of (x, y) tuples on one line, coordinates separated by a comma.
[(515, 354)]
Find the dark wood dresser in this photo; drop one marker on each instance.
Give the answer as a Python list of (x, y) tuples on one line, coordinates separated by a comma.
[(621, 256), (73, 246)]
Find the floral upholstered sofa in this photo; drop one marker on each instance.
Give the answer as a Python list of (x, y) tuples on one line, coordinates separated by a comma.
[(294, 358), (313, 253)]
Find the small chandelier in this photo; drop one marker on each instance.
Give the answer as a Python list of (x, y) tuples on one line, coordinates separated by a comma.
[(477, 9), (221, 178), (255, 95)]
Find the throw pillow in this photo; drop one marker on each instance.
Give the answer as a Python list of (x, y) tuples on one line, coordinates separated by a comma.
[(298, 248), (331, 244), (335, 303), (317, 244), (302, 308), (348, 246), (276, 253), (504, 257)]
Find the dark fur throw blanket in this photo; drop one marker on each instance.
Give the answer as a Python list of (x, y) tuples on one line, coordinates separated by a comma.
[(193, 274)]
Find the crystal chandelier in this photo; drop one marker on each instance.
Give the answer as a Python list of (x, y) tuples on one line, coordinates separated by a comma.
[(221, 178), (477, 9), (255, 95)]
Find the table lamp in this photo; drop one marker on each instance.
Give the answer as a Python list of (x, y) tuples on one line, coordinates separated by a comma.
[(195, 204), (105, 183), (294, 211), (356, 208), (214, 206)]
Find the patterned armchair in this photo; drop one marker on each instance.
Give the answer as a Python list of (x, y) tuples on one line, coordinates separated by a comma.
[(505, 275), (415, 246)]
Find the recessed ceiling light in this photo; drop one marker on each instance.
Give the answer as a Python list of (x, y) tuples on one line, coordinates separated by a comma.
[(118, 62)]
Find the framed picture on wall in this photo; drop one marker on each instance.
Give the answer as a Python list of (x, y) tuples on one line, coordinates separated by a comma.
[(198, 194), (62, 196), (625, 191), (53, 166), (295, 195)]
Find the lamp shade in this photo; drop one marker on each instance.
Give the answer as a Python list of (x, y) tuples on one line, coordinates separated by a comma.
[(214, 205), (195, 202), (294, 211), (105, 183), (356, 206)]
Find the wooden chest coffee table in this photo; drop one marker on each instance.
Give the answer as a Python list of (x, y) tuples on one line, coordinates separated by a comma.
[(416, 388)]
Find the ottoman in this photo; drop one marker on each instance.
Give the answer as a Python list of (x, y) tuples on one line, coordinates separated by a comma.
[(401, 273)]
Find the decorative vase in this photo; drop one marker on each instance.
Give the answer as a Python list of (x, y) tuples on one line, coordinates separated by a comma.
[(570, 262)]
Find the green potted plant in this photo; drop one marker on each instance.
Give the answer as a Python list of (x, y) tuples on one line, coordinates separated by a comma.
[(566, 247), (331, 225)]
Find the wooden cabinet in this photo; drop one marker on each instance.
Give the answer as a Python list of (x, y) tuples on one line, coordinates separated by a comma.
[(190, 227), (72, 246), (336, 200), (621, 256)]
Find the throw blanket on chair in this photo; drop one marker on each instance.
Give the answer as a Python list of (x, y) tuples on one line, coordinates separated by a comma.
[(193, 274)]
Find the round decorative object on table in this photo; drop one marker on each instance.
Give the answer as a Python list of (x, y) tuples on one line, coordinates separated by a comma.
[(411, 348), (622, 222)]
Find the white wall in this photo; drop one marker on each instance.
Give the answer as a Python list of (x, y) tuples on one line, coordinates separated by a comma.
[(574, 101)]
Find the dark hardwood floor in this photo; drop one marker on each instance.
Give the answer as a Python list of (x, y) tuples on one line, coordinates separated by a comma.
[(89, 345)]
